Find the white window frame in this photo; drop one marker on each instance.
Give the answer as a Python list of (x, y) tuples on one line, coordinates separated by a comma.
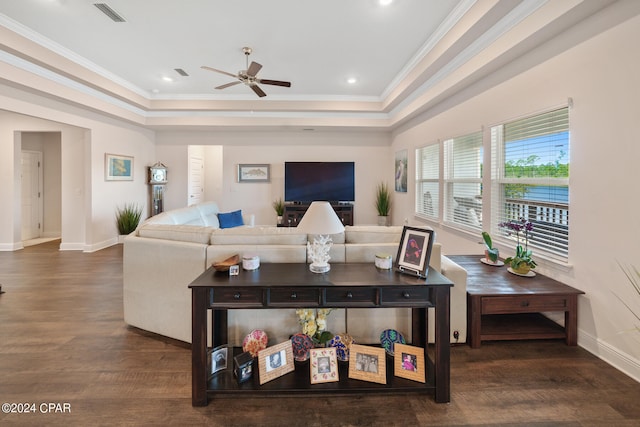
[(428, 207)]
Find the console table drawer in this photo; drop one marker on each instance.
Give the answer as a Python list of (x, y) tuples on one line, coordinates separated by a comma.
[(289, 297), (399, 296), (523, 304), (237, 297), (353, 297)]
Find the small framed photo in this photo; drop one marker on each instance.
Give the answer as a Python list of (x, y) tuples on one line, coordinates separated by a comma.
[(218, 359), (275, 361), (118, 167), (323, 365), (243, 366), (414, 251), (409, 362), (367, 363), (254, 173)]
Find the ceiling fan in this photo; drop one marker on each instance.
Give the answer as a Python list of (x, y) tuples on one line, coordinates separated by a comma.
[(248, 76)]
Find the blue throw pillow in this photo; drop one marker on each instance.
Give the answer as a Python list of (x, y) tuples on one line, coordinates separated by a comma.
[(230, 219)]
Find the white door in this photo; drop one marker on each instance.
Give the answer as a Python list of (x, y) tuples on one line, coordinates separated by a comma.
[(196, 180), (31, 194)]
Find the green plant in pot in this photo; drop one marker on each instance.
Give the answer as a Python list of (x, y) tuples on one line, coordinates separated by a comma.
[(491, 254), (278, 206), (383, 203), (128, 218), (522, 262)]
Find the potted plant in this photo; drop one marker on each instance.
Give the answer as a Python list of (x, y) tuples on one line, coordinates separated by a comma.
[(383, 203), (521, 263), (278, 206), (128, 218), (491, 254)]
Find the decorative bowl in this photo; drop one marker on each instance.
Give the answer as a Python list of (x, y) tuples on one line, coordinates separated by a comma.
[(302, 344), (388, 338), (342, 343), (224, 265), (255, 341)]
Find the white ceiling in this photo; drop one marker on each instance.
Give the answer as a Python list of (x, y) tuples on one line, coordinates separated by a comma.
[(407, 56)]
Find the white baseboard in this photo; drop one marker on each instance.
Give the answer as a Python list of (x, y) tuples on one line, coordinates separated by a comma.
[(613, 356)]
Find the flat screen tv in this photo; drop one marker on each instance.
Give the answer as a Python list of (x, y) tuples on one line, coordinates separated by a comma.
[(305, 182)]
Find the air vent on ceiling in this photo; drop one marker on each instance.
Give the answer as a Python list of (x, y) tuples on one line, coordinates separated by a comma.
[(182, 72), (107, 10)]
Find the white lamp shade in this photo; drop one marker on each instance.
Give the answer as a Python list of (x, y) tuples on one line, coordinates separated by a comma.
[(320, 218)]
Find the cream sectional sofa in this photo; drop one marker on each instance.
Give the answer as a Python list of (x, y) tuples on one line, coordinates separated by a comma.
[(171, 249)]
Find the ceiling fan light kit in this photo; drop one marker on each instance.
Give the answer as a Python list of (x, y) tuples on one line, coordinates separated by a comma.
[(248, 76)]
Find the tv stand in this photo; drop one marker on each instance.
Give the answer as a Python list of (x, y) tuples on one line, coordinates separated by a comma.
[(293, 213)]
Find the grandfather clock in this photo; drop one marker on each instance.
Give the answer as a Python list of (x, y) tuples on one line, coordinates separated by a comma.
[(157, 175)]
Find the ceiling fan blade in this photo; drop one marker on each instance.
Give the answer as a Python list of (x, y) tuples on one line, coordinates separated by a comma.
[(224, 86), (204, 67), (253, 69), (258, 91), (275, 82)]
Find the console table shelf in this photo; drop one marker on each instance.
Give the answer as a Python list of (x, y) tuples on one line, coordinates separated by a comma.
[(298, 381), (346, 285)]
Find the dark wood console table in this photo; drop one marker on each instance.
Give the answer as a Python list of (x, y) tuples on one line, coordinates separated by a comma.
[(503, 306), (348, 285)]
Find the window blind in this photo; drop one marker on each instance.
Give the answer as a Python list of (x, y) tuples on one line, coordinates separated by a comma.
[(463, 181), (530, 179), (428, 181)]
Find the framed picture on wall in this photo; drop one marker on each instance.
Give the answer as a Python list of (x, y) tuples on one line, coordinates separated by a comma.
[(118, 167), (254, 173), (400, 178)]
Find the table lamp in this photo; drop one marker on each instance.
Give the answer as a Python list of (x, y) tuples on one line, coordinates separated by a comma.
[(321, 220)]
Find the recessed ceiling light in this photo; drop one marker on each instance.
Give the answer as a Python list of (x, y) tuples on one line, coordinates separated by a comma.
[(385, 2), (352, 80), (167, 79)]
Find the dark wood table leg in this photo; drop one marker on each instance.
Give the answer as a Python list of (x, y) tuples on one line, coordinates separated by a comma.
[(442, 345), (571, 320), (199, 346), (474, 320)]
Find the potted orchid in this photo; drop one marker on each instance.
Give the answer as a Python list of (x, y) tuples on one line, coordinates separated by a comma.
[(522, 262)]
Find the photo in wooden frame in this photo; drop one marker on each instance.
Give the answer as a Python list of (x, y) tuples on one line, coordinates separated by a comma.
[(323, 365), (367, 363), (414, 252), (275, 361), (409, 362)]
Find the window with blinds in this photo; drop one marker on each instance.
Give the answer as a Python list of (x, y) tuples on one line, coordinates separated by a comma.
[(530, 179), (428, 181), (462, 158)]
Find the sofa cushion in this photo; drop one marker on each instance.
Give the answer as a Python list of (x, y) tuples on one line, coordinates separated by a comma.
[(182, 233), (372, 234), (209, 213), (258, 236), (230, 219)]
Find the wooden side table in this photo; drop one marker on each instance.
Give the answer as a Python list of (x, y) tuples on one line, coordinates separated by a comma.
[(503, 306)]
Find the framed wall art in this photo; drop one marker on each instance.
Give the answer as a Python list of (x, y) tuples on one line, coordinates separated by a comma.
[(409, 362), (367, 363), (414, 251), (323, 365), (401, 165), (254, 173), (118, 167), (275, 361)]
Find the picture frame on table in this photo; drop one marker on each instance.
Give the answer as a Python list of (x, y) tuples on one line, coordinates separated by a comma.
[(254, 173), (414, 252), (323, 365), (367, 363), (118, 167), (275, 361), (409, 362), (243, 367), (217, 359)]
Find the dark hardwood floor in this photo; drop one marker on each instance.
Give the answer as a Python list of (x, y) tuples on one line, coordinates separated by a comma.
[(63, 341)]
